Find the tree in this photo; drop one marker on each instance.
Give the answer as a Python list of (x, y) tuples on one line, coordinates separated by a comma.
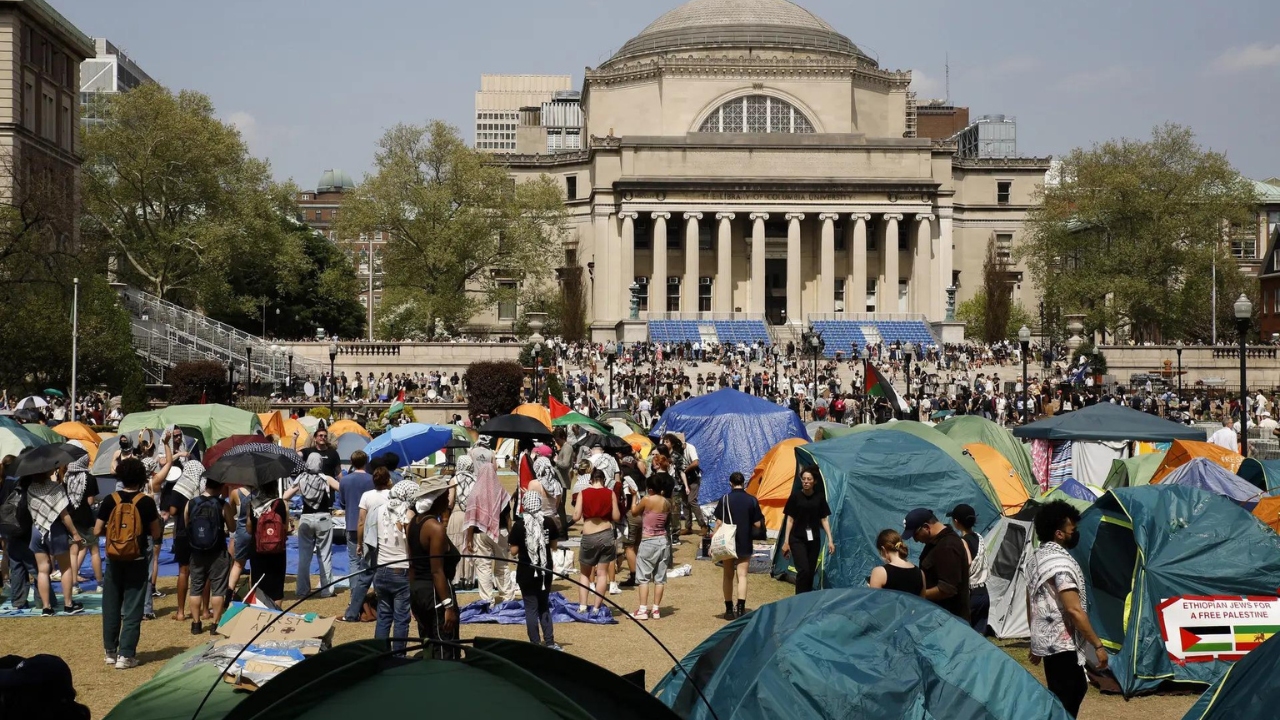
[(973, 313), (458, 227), (493, 388), (174, 194), (997, 295), (191, 383), (573, 306), (1130, 231)]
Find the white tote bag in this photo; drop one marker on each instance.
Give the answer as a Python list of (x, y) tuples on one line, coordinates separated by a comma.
[(724, 543)]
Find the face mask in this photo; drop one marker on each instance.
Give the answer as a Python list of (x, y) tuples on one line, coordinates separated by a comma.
[(1072, 540)]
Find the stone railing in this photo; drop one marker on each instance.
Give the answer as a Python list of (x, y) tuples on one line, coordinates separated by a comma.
[(1250, 353), (370, 349)]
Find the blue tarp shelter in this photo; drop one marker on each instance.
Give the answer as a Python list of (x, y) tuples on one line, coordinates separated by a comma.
[(1075, 489), (853, 653), (1205, 474), (732, 432), (1106, 421)]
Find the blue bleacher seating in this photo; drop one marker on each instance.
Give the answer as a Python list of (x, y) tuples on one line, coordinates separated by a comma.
[(726, 331), (844, 335)]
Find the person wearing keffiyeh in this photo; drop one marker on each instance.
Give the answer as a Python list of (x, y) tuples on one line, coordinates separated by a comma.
[(82, 489), (464, 480), (315, 527), (529, 543), (391, 579), (486, 516)]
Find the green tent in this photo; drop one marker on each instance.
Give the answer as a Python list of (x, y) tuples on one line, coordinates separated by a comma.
[(968, 429), (175, 692), (1248, 691), (1142, 551), (872, 480), (1265, 474), (1134, 471), (210, 423), (1058, 494), (626, 417), (574, 418), (1107, 421), (946, 444), (853, 653), (44, 432)]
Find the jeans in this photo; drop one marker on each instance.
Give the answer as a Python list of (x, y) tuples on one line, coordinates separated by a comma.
[(359, 582), (979, 609), (124, 585), (22, 570), (537, 611), (315, 535), (392, 586)]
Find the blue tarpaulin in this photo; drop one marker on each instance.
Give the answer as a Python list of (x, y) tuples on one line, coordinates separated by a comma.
[(1076, 489), (1205, 474), (512, 613), (732, 431)]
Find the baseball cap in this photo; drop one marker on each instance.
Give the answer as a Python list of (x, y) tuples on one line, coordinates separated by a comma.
[(47, 674), (963, 512), (916, 519)]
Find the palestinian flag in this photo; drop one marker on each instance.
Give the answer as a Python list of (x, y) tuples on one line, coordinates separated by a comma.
[(397, 407), (1207, 639), (557, 408), (875, 385), (1249, 637)]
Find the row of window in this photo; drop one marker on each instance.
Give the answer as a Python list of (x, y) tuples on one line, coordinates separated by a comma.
[(40, 51), (496, 126), (773, 229), (50, 117), (495, 136), (496, 145), (497, 116)]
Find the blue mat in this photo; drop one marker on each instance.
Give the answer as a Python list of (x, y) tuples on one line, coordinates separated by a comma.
[(169, 566), (512, 613), (92, 604)]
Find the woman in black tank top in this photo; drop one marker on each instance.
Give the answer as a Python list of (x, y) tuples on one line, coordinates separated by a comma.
[(432, 561), (896, 573)]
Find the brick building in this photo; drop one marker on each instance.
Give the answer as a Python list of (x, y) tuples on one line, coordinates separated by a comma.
[(319, 209)]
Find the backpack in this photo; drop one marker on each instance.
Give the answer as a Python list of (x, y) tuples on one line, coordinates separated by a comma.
[(124, 528), (269, 532), (11, 520), (205, 524), (839, 405)]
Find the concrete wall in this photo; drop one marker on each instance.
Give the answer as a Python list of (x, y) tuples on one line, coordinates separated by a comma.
[(1198, 363), (379, 358)]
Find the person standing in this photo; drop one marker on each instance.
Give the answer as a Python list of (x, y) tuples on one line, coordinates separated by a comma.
[(485, 529), (268, 527), (433, 560), (17, 537), (209, 521), (530, 543), (963, 518), (330, 461), (742, 510), (82, 491), (653, 513), (1057, 607), (315, 526), (945, 562), (351, 488), (52, 533), (129, 520), (597, 508), (391, 579), (805, 517), (463, 480), (1225, 436), (896, 573)]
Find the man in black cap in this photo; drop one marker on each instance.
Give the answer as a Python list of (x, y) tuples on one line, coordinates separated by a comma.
[(945, 561), (963, 519), (38, 688)]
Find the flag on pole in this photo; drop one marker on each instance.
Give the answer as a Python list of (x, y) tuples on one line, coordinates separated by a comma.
[(397, 407), (557, 408), (255, 600), (204, 397), (875, 385)]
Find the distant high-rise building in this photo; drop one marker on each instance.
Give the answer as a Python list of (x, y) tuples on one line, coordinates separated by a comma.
[(553, 127), (939, 120), (498, 104), (990, 136), (109, 72)]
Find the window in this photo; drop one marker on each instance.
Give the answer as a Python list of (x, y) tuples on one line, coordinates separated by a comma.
[(904, 237), (839, 231), (642, 295), (756, 114), (675, 234), (1004, 247), (673, 294), (507, 306), (65, 131), (839, 294), (873, 242), (704, 236), (643, 233), (704, 294), (571, 186), (871, 294), (49, 119), (1002, 192), (29, 103)]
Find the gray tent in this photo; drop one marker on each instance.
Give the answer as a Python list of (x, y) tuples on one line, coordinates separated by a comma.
[(1009, 547), (1106, 421)]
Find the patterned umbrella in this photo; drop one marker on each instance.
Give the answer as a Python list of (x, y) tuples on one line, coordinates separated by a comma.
[(260, 448), (213, 454), (251, 468)]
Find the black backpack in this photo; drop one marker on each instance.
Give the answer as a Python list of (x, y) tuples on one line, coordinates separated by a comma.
[(15, 521), (204, 529)]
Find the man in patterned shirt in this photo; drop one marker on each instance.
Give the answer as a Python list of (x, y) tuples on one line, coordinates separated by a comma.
[(1057, 607)]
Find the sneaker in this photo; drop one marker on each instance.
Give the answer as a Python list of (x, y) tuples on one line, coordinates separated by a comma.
[(157, 594), (553, 646), (48, 612), (110, 658), (641, 614), (655, 613), (74, 608), (149, 616), (55, 576), (196, 628), (582, 609), (125, 663), (614, 589)]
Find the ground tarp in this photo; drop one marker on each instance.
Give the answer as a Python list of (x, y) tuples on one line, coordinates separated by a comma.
[(966, 429), (1141, 547), (1205, 474), (853, 653), (1105, 421), (732, 431), (1182, 452), (211, 423), (772, 480)]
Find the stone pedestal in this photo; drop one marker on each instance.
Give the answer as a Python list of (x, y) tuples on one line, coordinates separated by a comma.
[(949, 331), (1075, 324), (631, 331)]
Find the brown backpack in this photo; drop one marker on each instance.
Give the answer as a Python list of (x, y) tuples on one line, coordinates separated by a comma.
[(124, 529)]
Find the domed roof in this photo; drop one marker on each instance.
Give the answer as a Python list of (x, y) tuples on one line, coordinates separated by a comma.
[(709, 24), (335, 181)]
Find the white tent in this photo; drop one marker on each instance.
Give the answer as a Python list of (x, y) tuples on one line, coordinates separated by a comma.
[(1009, 548)]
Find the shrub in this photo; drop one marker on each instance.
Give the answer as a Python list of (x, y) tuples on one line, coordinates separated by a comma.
[(493, 388), (191, 381), (255, 404), (1096, 361), (320, 412)]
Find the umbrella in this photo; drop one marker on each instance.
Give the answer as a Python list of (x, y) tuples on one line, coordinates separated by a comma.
[(31, 402), (53, 392), (349, 443), (212, 455), (518, 427), (343, 427), (457, 444), (31, 415), (296, 464), (251, 469), (45, 459), (610, 443), (414, 441), (942, 414), (45, 432), (78, 431), (535, 411), (13, 440), (573, 418)]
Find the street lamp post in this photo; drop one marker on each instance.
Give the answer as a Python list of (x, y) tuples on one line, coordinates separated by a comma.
[(75, 340), (291, 373), (1178, 346), (537, 368), (333, 385), (1244, 311), (814, 341), (907, 350), (248, 365), (1024, 339)]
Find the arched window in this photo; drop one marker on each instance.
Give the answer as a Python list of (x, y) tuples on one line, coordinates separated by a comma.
[(756, 114)]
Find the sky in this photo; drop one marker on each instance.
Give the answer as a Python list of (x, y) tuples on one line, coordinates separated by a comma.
[(313, 84)]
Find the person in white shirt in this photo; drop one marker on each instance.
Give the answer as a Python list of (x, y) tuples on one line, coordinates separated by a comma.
[(1226, 437)]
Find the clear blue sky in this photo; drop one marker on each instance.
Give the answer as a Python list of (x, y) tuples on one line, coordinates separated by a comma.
[(314, 83)]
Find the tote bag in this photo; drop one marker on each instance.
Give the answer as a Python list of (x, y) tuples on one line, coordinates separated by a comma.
[(724, 543)]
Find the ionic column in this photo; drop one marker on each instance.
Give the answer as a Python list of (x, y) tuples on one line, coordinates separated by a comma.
[(628, 252), (795, 286), (855, 290), (724, 265), (691, 270), (922, 290), (827, 269), (945, 258), (887, 294), (757, 262), (603, 291), (658, 283)]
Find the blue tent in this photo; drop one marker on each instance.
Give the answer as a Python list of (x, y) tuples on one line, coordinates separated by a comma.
[(1208, 475), (872, 480), (732, 431), (1142, 548), (854, 653), (1248, 691), (1076, 489)]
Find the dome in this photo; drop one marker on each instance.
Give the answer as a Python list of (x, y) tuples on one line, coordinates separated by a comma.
[(335, 181), (713, 24)]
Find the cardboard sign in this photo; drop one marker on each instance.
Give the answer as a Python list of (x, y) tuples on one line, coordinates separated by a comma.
[(1216, 627), (250, 620)]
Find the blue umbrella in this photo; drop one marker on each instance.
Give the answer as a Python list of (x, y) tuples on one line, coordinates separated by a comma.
[(411, 442)]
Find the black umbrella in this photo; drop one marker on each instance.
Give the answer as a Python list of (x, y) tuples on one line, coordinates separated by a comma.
[(457, 444), (299, 465), (251, 469), (610, 443), (46, 458), (27, 414), (518, 427)]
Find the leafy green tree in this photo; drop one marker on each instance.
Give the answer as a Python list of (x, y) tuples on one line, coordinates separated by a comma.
[(493, 388), (973, 313), (997, 294), (457, 225), (1129, 233)]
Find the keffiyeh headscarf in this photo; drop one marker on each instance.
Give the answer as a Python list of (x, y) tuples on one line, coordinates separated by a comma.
[(191, 483), (465, 479), (535, 533), (546, 474), (400, 502), (77, 478), (311, 484), (488, 500)]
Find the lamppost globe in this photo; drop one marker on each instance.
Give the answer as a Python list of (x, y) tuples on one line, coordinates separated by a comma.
[(1024, 334), (1244, 312), (1243, 308)]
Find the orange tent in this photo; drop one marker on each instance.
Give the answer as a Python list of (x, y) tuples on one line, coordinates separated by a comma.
[(772, 480), (1182, 452), (272, 423), (535, 411), (641, 444), (286, 435), (342, 427), (1004, 479), (89, 439), (1268, 511)]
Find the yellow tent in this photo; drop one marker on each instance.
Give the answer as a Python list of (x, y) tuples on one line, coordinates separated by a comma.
[(1000, 473), (773, 478), (342, 427), (535, 411), (286, 435), (1268, 511), (89, 439), (272, 423), (1182, 452), (641, 444)]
